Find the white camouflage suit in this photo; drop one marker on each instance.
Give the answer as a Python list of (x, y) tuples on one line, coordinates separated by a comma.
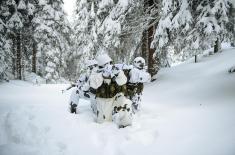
[(105, 106), (138, 75), (82, 89)]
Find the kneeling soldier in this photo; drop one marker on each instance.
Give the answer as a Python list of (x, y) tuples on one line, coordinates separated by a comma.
[(137, 76), (108, 82)]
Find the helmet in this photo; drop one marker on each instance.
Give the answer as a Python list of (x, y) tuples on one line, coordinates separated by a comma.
[(139, 62), (91, 63), (103, 59)]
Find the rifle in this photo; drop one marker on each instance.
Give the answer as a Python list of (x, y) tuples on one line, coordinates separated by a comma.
[(71, 86)]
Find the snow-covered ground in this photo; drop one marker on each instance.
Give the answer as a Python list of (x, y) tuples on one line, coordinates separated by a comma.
[(188, 110)]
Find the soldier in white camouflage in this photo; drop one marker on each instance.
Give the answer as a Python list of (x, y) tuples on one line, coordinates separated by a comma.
[(109, 83), (82, 88), (137, 76)]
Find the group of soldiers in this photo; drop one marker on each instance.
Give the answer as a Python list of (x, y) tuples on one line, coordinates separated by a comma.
[(114, 90)]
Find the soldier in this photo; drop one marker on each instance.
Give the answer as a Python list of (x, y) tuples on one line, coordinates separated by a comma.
[(137, 76), (109, 83), (83, 89)]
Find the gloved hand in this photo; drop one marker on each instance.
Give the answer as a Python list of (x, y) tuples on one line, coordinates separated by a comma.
[(115, 71), (85, 87), (107, 71)]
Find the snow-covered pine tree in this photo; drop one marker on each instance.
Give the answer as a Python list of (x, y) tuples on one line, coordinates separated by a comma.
[(122, 27), (51, 31), (191, 26), (150, 14), (15, 24), (84, 37), (210, 24), (172, 29), (5, 42), (52, 66), (231, 24), (28, 30)]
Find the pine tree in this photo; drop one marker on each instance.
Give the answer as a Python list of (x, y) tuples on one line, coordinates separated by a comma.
[(5, 43), (28, 30), (15, 24), (191, 26), (52, 66), (148, 35), (84, 33), (231, 24), (50, 32)]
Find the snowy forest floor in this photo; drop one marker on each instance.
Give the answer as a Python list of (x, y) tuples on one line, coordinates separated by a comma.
[(188, 110)]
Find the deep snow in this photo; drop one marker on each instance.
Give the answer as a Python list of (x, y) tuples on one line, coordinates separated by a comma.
[(188, 110)]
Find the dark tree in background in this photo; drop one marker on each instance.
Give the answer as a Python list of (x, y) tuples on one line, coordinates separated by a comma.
[(18, 56), (148, 35)]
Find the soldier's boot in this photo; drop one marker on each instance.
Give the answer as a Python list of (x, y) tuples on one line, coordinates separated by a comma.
[(73, 108)]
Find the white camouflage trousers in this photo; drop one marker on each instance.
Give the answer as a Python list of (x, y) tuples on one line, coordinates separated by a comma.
[(104, 109), (136, 102), (117, 109)]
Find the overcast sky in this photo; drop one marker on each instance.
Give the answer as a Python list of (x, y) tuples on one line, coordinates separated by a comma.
[(69, 7)]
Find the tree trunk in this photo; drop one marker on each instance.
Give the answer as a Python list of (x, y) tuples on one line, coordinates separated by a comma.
[(34, 56), (14, 56), (148, 38), (217, 46), (195, 59), (233, 41), (145, 44), (151, 69), (18, 56)]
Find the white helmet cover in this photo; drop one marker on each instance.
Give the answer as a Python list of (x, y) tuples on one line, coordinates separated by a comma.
[(103, 59), (139, 62)]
